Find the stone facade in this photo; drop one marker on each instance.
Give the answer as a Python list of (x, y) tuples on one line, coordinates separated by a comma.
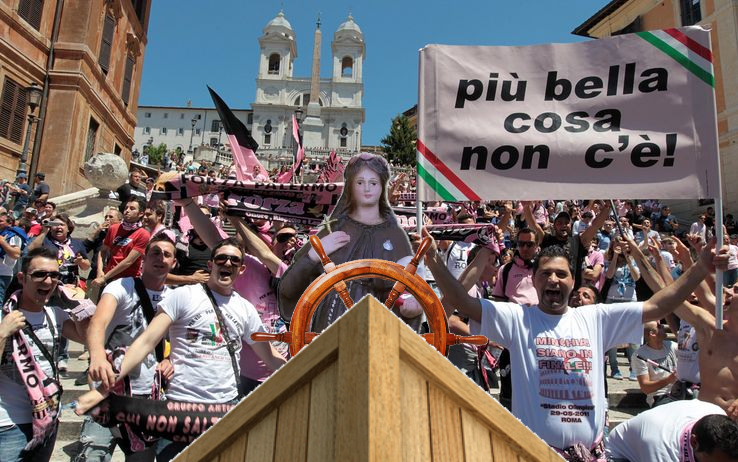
[(279, 93), (92, 81), (721, 17), (172, 125)]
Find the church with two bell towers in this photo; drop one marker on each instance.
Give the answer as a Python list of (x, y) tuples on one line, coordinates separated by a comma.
[(330, 109)]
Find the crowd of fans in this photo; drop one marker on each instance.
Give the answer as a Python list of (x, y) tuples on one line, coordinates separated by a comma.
[(169, 271)]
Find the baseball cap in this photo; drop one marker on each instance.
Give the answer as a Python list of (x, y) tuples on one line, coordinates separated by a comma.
[(31, 210), (21, 175), (41, 175), (564, 215)]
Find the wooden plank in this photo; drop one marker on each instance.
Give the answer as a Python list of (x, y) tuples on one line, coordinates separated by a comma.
[(477, 439), (292, 426), (322, 352), (236, 452), (260, 444), (414, 416), (502, 450), (321, 434), (442, 374), (445, 423), (367, 418)]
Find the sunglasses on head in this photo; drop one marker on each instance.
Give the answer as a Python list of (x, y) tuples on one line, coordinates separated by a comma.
[(526, 244), (223, 258), (282, 238), (39, 276)]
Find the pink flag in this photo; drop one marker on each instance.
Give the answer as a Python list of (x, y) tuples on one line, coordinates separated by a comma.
[(243, 145), (300, 153)]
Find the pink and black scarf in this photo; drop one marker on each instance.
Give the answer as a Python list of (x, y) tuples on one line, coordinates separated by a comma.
[(44, 392)]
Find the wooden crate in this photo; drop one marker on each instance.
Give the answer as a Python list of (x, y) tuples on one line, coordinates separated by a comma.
[(368, 389)]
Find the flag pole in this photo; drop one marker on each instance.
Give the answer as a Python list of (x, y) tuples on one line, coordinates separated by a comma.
[(718, 245)]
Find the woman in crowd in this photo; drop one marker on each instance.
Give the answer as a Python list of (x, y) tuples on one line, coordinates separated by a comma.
[(622, 274)]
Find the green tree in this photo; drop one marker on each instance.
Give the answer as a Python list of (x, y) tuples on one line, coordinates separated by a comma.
[(156, 153), (399, 144)]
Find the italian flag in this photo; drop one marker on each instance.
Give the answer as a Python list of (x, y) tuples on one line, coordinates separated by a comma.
[(692, 55), (440, 178)]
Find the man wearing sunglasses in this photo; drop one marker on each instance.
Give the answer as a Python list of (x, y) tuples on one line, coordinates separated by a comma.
[(30, 323), (514, 283), (206, 325)]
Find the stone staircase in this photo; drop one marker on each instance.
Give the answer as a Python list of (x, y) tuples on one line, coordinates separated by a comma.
[(67, 440)]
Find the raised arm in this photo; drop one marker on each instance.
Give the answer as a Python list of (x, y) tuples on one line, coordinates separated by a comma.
[(255, 246), (667, 299), (586, 237), (475, 270), (205, 228), (504, 222), (654, 281), (530, 221), (455, 296)]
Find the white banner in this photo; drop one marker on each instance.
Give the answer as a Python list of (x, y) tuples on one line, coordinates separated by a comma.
[(627, 117)]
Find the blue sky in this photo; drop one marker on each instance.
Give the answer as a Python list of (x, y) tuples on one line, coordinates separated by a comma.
[(192, 43)]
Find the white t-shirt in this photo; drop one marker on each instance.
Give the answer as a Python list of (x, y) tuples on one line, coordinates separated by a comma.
[(458, 257), (653, 435), (665, 357), (562, 358), (15, 406), (732, 257), (8, 263), (688, 353), (202, 365), (130, 313)]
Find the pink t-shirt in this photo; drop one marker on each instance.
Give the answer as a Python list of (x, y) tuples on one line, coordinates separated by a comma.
[(519, 288), (253, 285), (593, 259)]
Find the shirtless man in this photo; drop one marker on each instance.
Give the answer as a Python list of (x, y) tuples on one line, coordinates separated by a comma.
[(718, 350)]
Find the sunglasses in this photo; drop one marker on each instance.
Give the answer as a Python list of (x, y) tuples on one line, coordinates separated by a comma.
[(39, 276), (223, 258), (526, 244), (282, 238)]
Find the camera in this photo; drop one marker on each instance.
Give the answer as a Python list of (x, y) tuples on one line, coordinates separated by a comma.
[(49, 223)]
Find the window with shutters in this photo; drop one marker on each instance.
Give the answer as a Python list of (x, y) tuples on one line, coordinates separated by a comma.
[(215, 125), (163, 130), (106, 44), (13, 111), (125, 92), (30, 11), (91, 139)]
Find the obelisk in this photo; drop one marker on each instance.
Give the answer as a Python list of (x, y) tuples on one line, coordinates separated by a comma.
[(312, 126)]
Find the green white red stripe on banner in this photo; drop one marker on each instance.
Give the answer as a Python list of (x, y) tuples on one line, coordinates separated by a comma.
[(692, 55), (440, 178)]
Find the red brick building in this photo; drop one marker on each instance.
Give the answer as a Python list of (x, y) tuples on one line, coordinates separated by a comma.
[(87, 56)]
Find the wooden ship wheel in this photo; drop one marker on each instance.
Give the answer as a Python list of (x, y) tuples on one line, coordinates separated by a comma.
[(335, 278)]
